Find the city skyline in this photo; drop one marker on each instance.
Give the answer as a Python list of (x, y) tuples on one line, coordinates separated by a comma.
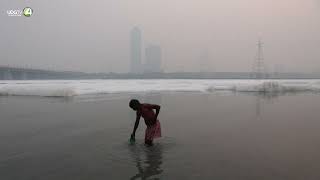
[(62, 36), (151, 61)]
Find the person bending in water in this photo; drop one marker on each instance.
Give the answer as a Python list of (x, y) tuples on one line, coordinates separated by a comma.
[(150, 118)]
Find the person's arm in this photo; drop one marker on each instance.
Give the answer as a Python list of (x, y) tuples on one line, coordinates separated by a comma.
[(157, 108), (136, 124)]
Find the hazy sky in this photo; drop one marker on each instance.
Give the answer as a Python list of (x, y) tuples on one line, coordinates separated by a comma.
[(195, 35)]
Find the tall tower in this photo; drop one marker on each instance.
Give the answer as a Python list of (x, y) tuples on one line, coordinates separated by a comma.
[(259, 69), (135, 61)]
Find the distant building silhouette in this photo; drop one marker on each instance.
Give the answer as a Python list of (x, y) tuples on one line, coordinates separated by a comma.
[(135, 66), (153, 56)]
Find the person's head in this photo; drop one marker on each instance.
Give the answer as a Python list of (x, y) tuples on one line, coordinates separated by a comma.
[(134, 104)]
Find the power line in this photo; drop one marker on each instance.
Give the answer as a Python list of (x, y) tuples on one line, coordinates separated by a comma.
[(259, 69)]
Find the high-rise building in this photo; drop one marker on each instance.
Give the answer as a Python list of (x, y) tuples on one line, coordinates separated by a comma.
[(153, 59), (135, 61)]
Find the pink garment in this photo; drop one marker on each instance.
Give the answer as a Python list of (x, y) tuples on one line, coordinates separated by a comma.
[(153, 131), (147, 112)]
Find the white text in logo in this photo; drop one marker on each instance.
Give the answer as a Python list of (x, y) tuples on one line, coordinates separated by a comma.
[(14, 12)]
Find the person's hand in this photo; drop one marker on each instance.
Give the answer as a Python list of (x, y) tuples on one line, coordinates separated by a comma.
[(132, 138)]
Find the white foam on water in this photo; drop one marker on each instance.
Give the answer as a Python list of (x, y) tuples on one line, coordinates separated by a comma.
[(36, 90), (65, 88)]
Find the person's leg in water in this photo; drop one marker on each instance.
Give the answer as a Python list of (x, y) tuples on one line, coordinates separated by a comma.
[(153, 131), (149, 136), (148, 142)]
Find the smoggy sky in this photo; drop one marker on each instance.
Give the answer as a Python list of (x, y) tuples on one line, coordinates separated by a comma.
[(195, 35)]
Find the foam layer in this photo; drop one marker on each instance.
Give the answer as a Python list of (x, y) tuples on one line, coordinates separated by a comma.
[(53, 88)]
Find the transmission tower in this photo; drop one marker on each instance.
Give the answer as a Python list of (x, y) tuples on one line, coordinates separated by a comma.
[(259, 69)]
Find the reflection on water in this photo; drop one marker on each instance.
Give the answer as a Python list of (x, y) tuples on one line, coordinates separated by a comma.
[(148, 161), (269, 95), (261, 98), (258, 107)]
